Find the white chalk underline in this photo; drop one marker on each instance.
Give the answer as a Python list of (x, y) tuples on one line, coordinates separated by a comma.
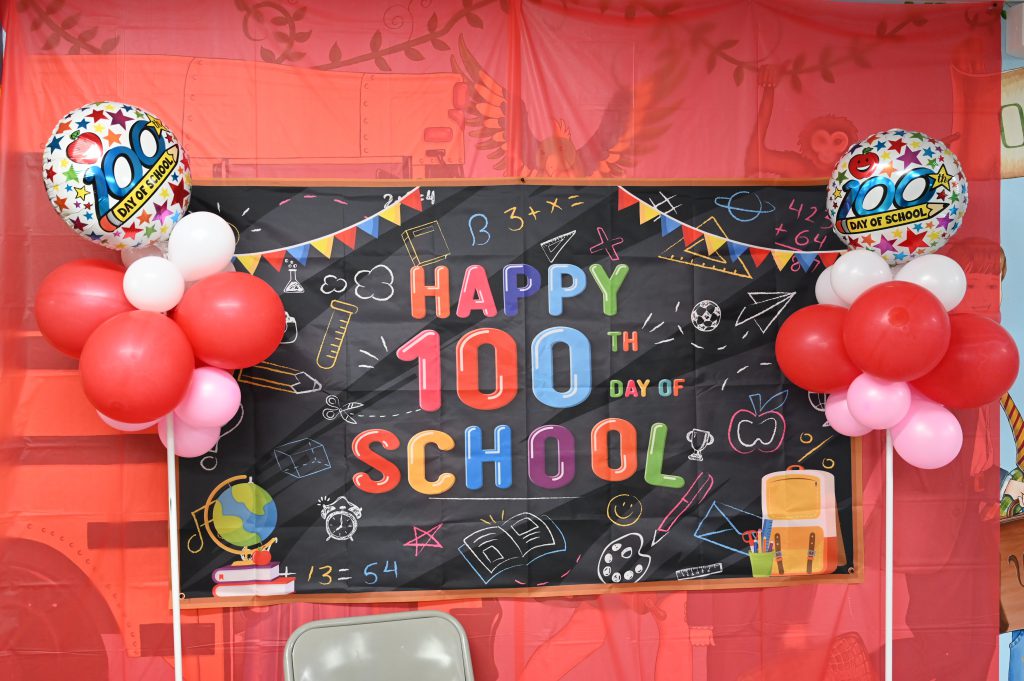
[(497, 498)]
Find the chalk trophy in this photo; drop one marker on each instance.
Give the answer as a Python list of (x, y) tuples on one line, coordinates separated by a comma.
[(699, 440)]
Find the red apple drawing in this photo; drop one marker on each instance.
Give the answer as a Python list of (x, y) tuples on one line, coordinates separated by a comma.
[(86, 149), (261, 557), (759, 430), (862, 165)]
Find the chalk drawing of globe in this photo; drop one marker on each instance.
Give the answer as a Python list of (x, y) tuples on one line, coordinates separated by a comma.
[(244, 515), (706, 315)]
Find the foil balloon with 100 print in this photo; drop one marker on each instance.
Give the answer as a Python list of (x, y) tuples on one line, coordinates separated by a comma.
[(899, 193), (116, 175)]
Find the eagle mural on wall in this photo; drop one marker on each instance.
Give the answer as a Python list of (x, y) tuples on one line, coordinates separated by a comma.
[(631, 122)]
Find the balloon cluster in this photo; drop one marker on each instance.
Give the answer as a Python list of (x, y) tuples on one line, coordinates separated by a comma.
[(885, 344), (163, 336)]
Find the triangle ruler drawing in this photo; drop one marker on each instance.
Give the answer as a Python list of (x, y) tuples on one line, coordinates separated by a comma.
[(697, 255), (553, 246)]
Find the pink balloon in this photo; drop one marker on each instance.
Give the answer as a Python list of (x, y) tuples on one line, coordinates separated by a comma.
[(876, 402), (837, 411), (126, 427), (929, 436), (189, 441), (212, 399)]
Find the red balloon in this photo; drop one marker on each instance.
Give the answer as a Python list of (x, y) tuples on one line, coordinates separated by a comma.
[(897, 331), (77, 297), (233, 320), (979, 366), (136, 366), (810, 352)]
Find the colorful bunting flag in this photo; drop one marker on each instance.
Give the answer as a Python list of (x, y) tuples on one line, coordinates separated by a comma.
[(413, 200), (371, 225), (275, 258), (324, 246), (392, 213), (714, 242), (348, 237), (669, 224), (648, 212), (249, 262), (781, 258), (806, 259), (626, 199), (758, 255), (828, 258), (300, 253), (690, 234), (736, 250)]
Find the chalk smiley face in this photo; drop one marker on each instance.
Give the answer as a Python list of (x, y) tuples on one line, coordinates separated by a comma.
[(624, 510), (862, 165)]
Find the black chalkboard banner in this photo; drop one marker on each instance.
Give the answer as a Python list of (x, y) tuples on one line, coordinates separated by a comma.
[(522, 389)]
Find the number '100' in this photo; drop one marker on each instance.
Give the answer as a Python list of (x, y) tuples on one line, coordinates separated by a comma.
[(123, 167), (425, 349), (878, 194)]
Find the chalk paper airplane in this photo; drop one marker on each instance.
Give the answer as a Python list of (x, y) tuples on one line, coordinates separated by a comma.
[(553, 246), (765, 308), (696, 254)]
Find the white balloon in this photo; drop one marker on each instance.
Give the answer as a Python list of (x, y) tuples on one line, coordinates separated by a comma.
[(201, 244), (824, 292), (941, 275), (154, 284), (857, 271), (130, 255)]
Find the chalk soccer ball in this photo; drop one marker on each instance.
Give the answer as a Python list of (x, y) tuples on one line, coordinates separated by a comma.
[(899, 193), (116, 175), (706, 315)]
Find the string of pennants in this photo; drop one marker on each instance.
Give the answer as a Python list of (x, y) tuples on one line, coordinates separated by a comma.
[(715, 242), (369, 227)]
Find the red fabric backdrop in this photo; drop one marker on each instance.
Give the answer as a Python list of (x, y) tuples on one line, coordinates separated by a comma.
[(482, 88)]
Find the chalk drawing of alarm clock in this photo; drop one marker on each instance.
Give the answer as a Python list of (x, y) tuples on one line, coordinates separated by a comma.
[(341, 518)]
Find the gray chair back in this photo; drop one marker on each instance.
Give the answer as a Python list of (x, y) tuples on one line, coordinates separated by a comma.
[(424, 645)]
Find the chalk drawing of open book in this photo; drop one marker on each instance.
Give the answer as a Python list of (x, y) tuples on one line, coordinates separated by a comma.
[(515, 542)]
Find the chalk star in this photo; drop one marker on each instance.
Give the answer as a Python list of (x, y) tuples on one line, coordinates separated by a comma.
[(942, 177), (118, 118), (914, 241), (909, 157), (607, 245), (419, 535)]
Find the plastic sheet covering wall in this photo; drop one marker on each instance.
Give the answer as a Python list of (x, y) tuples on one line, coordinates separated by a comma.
[(478, 89)]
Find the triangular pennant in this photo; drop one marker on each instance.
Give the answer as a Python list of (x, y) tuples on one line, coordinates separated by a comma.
[(300, 253), (758, 255), (392, 214), (781, 258), (828, 259), (669, 225), (347, 236), (806, 259), (413, 200), (693, 256), (324, 245), (690, 234), (714, 242), (371, 225), (626, 199), (647, 212), (249, 262), (275, 259), (736, 250)]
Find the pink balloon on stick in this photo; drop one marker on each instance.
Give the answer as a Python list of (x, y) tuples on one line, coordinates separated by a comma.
[(189, 441), (212, 398), (929, 436), (837, 411), (876, 402), (123, 426)]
